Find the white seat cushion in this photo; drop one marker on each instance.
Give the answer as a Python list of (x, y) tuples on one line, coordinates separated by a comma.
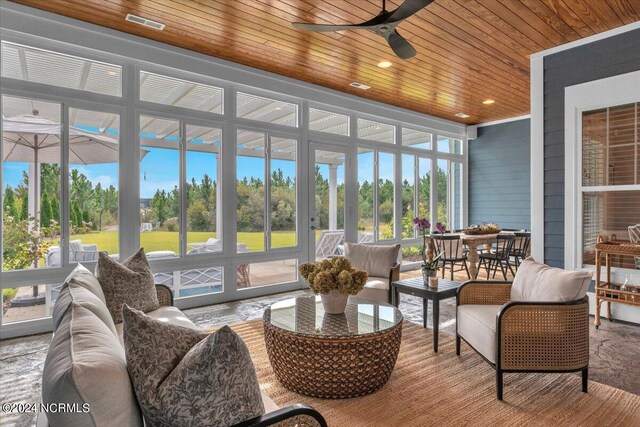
[(477, 325), (539, 282), (376, 288), (377, 283), (171, 315)]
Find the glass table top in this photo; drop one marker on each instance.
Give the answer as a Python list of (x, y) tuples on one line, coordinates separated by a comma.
[(305, 316)]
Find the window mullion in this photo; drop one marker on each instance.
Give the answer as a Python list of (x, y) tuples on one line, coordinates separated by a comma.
[(376, 210), (416, 190), (267, 193), (183, 188), (64, 186)]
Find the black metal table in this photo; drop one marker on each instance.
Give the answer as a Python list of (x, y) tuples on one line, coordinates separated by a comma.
[(417, 287)]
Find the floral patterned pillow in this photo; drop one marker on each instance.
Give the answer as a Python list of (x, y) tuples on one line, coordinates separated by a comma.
[(185, 377), (128, 283)]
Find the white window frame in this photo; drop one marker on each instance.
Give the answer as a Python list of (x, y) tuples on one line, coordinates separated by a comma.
[(603, 93)]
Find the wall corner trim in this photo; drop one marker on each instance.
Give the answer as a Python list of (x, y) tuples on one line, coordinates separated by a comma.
[(537, 158)]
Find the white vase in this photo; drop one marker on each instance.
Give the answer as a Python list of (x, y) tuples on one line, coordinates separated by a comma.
[(334, 302)]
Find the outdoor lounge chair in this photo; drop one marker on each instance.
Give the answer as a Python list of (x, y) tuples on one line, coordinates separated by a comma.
[(328, 243), (78, 252)]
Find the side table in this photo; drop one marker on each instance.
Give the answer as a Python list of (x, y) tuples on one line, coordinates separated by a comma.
[(417, 287)]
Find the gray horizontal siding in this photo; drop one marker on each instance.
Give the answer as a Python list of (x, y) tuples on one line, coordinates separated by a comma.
[(499, 175), (594, 61)]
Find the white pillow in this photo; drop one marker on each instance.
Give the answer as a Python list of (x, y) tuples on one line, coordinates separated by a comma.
[(539, 282), (377, 260), (86, 366)]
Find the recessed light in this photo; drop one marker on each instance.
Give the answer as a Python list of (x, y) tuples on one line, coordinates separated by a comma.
[(462, 115), (359, 85), (112, 73), (384, 64), (278, 108), (488, 101)]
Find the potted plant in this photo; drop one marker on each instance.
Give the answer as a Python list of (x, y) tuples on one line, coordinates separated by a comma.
[(430, 267), (334, 280)]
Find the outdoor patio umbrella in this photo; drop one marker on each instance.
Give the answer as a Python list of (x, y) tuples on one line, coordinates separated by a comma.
[(33, 139)]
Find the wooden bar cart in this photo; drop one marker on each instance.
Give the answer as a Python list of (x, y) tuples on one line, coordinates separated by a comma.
[(607, 291)]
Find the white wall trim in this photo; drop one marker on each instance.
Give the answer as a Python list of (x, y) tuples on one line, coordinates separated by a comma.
[(587, 40), (537, 158), (499, 122)]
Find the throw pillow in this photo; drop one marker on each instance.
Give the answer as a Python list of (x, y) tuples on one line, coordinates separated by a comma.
[(74, 293), (85, 278), (86, 367), (377, 260), (185, 377), (128, 283), (539, 282)]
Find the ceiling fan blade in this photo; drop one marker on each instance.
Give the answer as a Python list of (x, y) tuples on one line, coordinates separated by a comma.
[(326, 28), (408, 8), (400, 45)]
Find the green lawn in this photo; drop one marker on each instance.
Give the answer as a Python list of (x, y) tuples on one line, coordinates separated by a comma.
[(168, 241)]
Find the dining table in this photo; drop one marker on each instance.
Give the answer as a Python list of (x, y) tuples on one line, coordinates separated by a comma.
[(473, 242)]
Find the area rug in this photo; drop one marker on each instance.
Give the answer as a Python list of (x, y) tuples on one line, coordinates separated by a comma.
[(443, 389)]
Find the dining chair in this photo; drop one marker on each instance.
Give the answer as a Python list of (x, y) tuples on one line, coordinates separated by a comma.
[(499, 257), (452, 250), (521, 246)]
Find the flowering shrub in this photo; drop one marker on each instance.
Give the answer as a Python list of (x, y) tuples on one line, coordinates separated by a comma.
[(336, 273), (24, 243), (422, 225)]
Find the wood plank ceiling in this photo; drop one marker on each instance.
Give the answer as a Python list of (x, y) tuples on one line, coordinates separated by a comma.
[(468, 50)]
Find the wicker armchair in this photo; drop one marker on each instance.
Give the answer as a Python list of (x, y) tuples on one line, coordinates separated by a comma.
[(528, 336)]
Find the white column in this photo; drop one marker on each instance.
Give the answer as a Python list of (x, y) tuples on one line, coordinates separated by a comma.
[(333, 197), (33, 170)]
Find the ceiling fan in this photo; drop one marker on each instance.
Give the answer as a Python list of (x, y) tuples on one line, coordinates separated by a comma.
[(384, 24)]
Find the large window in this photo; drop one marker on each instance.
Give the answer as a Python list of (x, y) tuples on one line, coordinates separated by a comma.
[(204, 230), (416, 139), (31, 183), (449, 188), (180, 93), (57, 69), (160, 204), (610, 178), (325, 121), (376, 131), (105, 154), (266, 211), (93, 185), (267, 110), (376, 191)]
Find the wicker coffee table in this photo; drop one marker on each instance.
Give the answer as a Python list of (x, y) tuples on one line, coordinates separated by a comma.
[(328, 355)]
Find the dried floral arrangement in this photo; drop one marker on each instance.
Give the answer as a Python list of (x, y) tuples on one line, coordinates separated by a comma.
[(336, 273)]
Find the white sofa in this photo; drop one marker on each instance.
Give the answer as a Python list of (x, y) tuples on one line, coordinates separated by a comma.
[(86, 361)]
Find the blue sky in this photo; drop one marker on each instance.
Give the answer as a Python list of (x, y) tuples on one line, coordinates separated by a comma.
[(159, 169)]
